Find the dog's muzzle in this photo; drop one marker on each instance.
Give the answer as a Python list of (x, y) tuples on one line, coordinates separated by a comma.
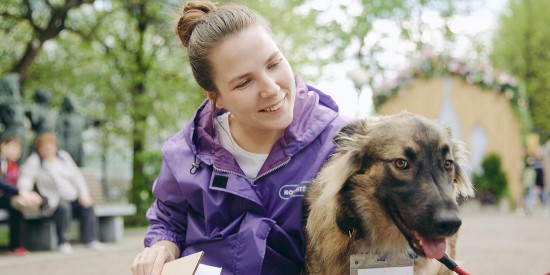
[(431, 245)]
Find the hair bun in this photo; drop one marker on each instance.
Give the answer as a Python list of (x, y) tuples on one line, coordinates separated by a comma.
[(193, 14)]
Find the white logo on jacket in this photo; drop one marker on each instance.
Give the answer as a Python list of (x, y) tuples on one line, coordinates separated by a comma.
[(293, 190)]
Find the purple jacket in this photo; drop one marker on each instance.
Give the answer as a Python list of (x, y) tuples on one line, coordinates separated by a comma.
[(245, 227)]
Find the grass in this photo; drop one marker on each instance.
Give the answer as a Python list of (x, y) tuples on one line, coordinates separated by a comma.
[(4, 235)]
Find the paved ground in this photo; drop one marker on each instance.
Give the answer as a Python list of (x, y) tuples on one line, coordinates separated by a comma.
[(490, 242), (115, 260)]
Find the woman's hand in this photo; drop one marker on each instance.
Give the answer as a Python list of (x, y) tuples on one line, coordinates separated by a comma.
[(30, 199), (85, 201), (151, 260)]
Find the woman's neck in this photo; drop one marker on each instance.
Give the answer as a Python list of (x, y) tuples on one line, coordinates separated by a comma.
[(254, 140)]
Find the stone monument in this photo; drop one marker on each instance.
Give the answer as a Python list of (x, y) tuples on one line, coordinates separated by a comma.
[(39, 114), (69, 128), (12, 117)]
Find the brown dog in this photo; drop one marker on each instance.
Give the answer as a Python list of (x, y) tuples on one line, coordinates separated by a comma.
[(392, 185)]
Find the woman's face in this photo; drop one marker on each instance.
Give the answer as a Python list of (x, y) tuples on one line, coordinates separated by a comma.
[(11, 150), (47, 150), (255, 82)]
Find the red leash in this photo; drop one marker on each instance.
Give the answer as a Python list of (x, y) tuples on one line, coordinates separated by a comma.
[(451, 265)]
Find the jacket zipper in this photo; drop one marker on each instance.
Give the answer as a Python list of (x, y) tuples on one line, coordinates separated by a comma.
[(227, 171), (272, 169)]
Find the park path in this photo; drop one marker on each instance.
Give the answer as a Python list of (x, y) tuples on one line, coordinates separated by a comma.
[(490, 242), (115, 260)]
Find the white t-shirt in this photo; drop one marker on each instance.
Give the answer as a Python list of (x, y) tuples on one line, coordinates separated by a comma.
[(250, 163)]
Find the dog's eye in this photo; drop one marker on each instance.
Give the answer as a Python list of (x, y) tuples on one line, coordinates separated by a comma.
[(449, 164), (401, 164)]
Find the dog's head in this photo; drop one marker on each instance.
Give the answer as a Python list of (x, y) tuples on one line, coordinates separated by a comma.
[(411, 167)]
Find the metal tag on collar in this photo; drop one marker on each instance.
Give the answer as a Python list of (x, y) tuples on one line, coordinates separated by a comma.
[(381, 263)]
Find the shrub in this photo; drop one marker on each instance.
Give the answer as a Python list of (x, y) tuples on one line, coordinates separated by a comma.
[(491, 183)]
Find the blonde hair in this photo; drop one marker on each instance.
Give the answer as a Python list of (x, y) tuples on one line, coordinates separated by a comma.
[(204, 25), (45, 138)]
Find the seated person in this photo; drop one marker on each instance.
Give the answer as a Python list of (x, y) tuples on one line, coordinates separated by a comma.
[(60, 181), (12, 198)]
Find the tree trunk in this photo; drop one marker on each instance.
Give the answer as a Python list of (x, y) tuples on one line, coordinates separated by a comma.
[(139, 113)]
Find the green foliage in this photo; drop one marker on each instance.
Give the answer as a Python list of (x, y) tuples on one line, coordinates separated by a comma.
[(521, 46), (492, 179), (141, 193)]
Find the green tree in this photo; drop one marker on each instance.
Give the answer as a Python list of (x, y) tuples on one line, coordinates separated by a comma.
[(27, 25), (520, 46)]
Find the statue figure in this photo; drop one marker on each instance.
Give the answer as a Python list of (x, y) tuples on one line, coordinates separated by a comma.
[(9, 87), (39, 114), (69, 128), (12, 118)]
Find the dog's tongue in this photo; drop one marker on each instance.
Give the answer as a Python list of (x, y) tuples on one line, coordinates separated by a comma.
[(433, 247)]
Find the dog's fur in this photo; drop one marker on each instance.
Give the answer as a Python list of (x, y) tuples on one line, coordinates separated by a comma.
[(390, 176)]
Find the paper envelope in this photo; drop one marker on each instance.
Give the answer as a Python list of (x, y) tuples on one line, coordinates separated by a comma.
[(183, 266)]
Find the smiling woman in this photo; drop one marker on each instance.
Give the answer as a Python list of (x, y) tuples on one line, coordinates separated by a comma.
[(247, 155)]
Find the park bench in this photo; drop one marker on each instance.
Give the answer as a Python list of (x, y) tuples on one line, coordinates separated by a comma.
[(40, 233)]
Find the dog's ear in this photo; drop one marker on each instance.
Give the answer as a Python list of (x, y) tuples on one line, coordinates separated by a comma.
[(352, 140), (347, 131), (462, 185)]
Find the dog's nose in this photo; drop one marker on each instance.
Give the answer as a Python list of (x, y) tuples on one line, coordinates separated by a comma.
[(447, 222)]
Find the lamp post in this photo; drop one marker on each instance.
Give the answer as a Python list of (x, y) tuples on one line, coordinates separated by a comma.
[(360, 77)]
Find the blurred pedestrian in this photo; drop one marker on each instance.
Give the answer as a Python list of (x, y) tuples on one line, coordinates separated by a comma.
[(59, 180), (529, 189), (545, 157), (537, 191), (539, 179)]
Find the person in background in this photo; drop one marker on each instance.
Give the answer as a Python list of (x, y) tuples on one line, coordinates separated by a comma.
[(545, 157), (232, 181), (11, 198), (58, 179), (528, 182), (540, 189)]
